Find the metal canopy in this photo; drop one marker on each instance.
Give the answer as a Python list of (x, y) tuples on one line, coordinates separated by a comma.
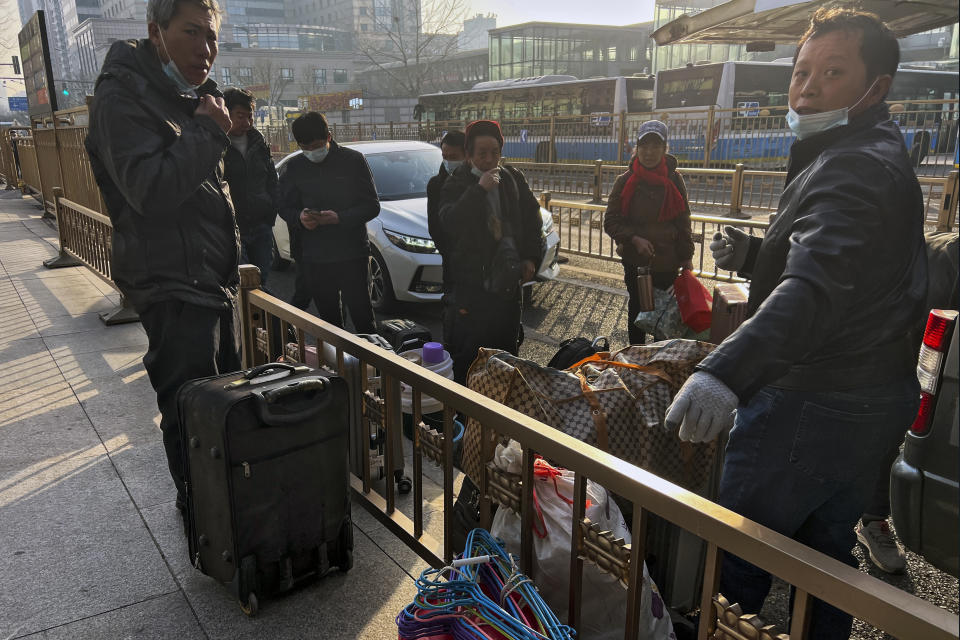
[(764, 22)]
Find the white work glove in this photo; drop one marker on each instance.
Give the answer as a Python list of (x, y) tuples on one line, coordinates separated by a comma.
[(703, 408), (730, 250)]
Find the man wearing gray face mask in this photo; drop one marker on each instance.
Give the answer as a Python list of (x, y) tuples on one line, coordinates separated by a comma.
[(821, 376), (327, 196), (158, 130)]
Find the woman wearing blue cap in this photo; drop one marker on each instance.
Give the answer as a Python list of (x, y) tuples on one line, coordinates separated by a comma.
[(648, 216)]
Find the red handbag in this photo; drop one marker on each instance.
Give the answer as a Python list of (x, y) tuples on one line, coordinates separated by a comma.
[(694, 301)]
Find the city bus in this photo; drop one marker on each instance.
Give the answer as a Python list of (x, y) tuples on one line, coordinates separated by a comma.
[(750, 100), (578, 116)]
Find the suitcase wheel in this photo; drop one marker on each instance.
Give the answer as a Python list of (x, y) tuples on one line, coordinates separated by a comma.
[(345, 547), (252, 606)]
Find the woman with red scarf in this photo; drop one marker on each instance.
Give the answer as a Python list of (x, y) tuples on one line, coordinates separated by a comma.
[(649, 218)]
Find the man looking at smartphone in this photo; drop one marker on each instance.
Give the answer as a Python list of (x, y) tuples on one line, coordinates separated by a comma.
[(327, 193)]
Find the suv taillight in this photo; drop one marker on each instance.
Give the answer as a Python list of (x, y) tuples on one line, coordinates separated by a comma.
[(936, 338)]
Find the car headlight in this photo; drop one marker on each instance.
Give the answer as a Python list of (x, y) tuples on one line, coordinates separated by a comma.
[(412, 244)]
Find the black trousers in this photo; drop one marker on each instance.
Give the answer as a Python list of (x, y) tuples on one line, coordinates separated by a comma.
[(186, 342), (329, 283), (474, 319), (301, 297), (662, 280)]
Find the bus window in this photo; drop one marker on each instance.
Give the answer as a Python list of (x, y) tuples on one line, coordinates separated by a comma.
[(639, 95), (909, 84), (689, 87), (767, 85)]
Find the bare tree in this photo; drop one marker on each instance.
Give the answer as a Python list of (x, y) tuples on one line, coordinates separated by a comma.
[(266, 72), (310, 83), (410, 37)]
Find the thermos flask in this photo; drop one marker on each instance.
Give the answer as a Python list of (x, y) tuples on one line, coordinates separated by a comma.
[(645, 289)]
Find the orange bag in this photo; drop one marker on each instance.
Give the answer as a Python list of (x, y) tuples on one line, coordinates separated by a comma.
[(696, 305)]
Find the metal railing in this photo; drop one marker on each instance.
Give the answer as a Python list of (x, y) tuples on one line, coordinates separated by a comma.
[(86, 239), (265, 319), (9, 167), (29, 169), (579, 226), (705, 138)]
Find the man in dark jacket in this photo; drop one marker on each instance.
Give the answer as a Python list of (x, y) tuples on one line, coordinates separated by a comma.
[(823, 369), (249, 170), (157, 136), (328, 193), (491, 225), (451, 148)]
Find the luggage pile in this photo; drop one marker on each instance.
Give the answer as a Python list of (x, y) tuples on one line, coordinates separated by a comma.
[(483, 597)]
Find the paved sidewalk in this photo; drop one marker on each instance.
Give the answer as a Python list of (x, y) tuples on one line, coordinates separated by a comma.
[(91, 544)]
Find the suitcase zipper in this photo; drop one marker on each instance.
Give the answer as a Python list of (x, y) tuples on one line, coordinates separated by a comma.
[(246, 464)]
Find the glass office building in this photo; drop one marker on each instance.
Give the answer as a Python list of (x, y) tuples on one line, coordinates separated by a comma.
[(679, 55), (584, 51), (284, 36)]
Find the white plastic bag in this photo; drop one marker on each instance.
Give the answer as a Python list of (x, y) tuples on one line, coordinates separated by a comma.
[(604, 599)]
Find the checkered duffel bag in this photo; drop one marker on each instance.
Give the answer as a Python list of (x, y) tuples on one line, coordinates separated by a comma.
[(613, 401)]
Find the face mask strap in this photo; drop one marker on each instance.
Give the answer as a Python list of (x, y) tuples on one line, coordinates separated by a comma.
[(864, 96)]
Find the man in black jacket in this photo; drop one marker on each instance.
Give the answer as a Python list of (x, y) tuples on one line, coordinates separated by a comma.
[(157, 136), (823, 369), (451, 148), (327, 192), (249, 170), (491, 225)]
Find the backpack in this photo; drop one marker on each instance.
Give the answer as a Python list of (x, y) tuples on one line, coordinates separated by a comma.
[(573, 350)]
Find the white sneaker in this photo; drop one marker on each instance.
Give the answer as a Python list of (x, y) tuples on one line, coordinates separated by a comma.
[(882, 545)]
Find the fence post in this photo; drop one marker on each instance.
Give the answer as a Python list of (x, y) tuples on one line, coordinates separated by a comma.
[(391, 129), (552, 152), (121, 315), (545, 200), (63, 259), (947, 217), (621, 136), (597, 181), (249, 279), (708, 138), (736, 192)]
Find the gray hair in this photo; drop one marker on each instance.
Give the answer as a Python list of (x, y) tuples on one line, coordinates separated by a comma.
[(162, 11)]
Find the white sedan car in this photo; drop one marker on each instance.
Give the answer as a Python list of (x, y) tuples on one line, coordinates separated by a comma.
[(404, 263)]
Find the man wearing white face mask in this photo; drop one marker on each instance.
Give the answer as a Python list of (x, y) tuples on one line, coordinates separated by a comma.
[(822, 375), (158, 130), (454, 154), (327, 195)]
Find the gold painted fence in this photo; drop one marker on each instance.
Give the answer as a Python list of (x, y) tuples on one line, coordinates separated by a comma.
[(267, 323)]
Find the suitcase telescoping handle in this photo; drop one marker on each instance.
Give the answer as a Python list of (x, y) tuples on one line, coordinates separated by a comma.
[(268, 406), (271, 368)]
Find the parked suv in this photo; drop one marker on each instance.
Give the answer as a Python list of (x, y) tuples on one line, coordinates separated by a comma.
[(924, 492)]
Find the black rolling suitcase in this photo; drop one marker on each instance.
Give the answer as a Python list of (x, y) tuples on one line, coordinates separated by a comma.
[(268, 499)]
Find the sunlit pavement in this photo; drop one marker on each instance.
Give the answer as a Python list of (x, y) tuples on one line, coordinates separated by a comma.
[(92, 545)]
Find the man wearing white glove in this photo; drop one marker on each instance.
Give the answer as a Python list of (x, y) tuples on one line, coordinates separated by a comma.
[(820, 376)]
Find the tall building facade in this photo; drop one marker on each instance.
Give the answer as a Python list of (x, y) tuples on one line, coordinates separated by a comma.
[(124, 9), (253, 11), (93, 39), (359, 16), (474, 34), (580, 50)]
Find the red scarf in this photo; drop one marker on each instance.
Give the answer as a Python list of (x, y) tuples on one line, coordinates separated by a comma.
[(673, 202)]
